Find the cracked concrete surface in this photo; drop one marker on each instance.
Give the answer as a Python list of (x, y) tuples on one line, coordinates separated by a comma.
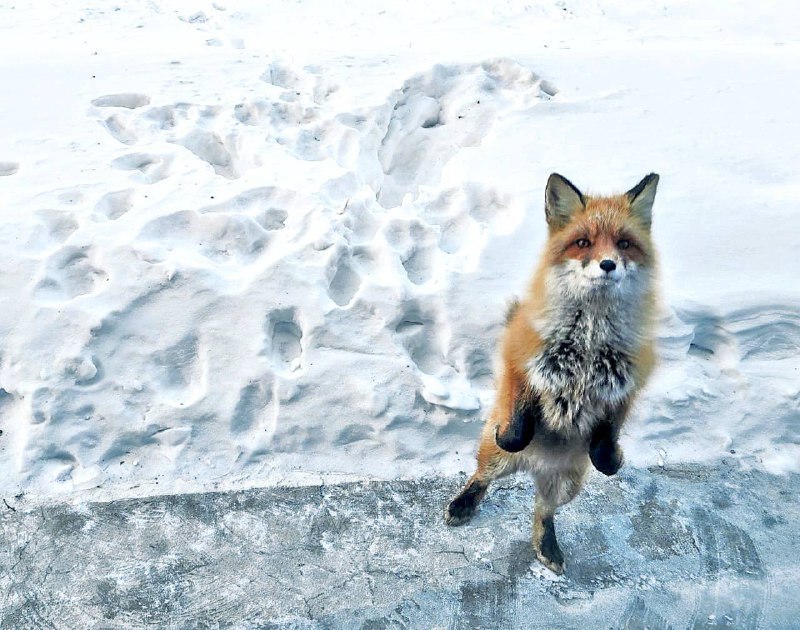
[(675, 547)]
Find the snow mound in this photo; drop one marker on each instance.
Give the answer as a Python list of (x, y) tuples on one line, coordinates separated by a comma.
[(203, 339), (227, 264)]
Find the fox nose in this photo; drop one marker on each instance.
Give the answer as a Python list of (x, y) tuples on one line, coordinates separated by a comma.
[(608, 265)]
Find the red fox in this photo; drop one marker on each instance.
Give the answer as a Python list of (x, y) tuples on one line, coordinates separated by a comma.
[(574, 354)]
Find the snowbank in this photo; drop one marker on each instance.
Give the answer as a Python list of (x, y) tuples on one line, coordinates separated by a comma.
[(252, 245)]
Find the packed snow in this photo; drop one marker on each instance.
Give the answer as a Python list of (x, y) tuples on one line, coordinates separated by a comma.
[(247, 244)]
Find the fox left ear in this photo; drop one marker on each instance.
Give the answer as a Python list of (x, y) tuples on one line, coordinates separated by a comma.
[(641, 198), (561, 200)]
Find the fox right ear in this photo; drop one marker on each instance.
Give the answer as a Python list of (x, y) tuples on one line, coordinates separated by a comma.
[(641, 198), (561, 200)]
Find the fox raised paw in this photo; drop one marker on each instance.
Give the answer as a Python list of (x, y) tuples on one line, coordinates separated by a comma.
[(605, 452)]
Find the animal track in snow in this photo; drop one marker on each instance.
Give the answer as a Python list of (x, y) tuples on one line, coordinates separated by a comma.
[(353, 433), (69, 274), (128, 100), (223, 141), (424, 336), (273, 219), (8, 168), (211, 148), (361, 222), (124, 125), (415, 243), (115, 204), (478, 367), (70, 196), (253, 400), (257, 200), (152, 168), (742, 361), (419, 331), (56, 227), (284, 336), (179, 371), (345, 281), (120, 129)]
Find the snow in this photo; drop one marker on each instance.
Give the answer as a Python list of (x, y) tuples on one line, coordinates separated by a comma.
[(253, 244)]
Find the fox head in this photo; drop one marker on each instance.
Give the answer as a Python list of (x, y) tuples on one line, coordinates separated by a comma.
[(599, 246)]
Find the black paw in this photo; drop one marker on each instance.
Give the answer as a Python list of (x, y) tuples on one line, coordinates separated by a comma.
[(521, 427), (607, 457), (547, 551), (510, 441), (464, 506)]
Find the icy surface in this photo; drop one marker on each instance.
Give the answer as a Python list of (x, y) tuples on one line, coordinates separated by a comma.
[(246, 244), (674, 547)]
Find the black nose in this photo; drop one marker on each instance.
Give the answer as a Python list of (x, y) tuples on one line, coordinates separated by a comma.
[(608, 265)]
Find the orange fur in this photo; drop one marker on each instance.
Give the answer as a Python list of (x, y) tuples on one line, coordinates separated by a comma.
[(604, 219), (593, 292)]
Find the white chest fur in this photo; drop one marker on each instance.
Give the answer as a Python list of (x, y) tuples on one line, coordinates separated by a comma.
[(585, 367)]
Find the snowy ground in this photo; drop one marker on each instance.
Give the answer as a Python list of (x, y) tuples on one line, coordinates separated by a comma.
[(259, 244)]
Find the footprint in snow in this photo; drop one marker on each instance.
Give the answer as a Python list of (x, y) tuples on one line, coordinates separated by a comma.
[(115, 204), (345, 282), (58, 224), (121, 129), (211, 148), (420, 336), (128, 100), (8, 168), (178, 370), (69, 273), (416, 245), (153, 168), (253, 399), (284, 337)]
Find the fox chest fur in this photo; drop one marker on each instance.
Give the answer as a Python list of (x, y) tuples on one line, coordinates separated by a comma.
[(585, 368)]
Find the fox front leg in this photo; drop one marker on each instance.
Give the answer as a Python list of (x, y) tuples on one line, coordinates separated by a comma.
[(604, 449), (519, 431)]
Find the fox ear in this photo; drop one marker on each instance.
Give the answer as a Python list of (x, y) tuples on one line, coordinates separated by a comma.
[(561, 200), (641, 198)]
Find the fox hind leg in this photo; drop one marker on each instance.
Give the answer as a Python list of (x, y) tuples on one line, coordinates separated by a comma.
[(493, 463), (553, 489)]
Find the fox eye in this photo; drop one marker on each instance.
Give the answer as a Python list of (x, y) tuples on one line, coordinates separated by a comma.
[(623, 243), (583, 243)]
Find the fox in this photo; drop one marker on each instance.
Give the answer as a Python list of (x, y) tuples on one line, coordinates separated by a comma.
[(575, 352)]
